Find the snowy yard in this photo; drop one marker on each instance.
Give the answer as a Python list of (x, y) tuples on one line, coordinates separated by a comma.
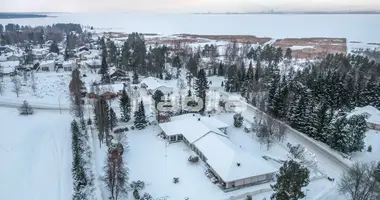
[(372, 138), (36, 156)]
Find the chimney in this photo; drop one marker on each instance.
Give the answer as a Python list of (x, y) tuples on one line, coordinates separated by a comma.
[(199, 119), (238, 164)]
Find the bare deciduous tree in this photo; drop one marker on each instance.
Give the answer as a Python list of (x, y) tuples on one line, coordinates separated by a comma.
[(25, 76), (33, 83), (297, 151), (359, 182), (266, 133), (281, 131), (16, 85), (116, 174)]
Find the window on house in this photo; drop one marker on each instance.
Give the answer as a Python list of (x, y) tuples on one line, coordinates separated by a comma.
[(180, 137), (173, 138)]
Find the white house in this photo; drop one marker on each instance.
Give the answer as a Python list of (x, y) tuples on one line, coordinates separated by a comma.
[(69, 65), (82, 55), (152, 84), (372, 114), (47, 66), (232, 166), (51, 56), (13, 57)]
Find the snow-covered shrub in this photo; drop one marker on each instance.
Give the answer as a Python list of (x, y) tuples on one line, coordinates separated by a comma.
[(297, 151), (146, 196), (138, 185), (369, 148), (26, 109), (238, 120), (136, 194), (175, 180), (132, 128), (193, 159), (249, 197)]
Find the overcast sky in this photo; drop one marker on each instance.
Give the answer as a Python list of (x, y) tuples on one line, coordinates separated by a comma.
[(182, 5)]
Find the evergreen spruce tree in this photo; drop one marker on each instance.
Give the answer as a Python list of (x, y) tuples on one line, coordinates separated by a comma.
[(104, 71), (78, 169), (113, 119), (250, 74), (67, 56), (288, 54), (273, 91), (297, 115), (370, 96), (135, 77), (125, 106), (280, 100), (322, 121), (357, 128), (221, 69), (338, 133), (257, 71), (290, 181), (140, 119), (201, 87)]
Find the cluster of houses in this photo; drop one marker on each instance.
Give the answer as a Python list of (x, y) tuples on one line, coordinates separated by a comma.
[(12, 59)]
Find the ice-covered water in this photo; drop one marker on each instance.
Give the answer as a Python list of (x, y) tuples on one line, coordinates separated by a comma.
[(353, 27)]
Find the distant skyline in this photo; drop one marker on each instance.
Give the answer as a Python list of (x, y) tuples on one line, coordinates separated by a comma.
[(185, 5)]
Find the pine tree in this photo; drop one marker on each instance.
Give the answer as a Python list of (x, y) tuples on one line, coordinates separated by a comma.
[(280, 100), (250, 74), (113, 119), (201, 87), (322, 121), (157, 97), (288, 54), (125, 106), (357, 128), (104, 71), (221, 69), (370, 96), (338, 133), (140, 119), (67, 56), (290, 181), (26, 109), (135, 77), (297, 115), (78, 170), (101, 120), (257, 71), (273, 91), (54, 48)]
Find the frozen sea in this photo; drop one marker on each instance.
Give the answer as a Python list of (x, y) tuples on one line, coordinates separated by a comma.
[(364, 28)]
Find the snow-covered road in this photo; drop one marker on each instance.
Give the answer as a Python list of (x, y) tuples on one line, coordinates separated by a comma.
[(329, 162)]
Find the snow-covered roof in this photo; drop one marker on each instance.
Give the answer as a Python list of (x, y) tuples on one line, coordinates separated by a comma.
[(82, 52), (68, 63), (190, 127), (52, 54), (373, 114), (223, 156), (47, 62), (10, 63), (8, 70), (153, 83), (93, 62)]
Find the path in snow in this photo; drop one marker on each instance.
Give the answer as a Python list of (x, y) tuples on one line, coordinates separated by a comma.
[(36, 156)]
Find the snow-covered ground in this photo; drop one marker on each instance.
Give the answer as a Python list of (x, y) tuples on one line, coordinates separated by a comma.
[(35, 154)]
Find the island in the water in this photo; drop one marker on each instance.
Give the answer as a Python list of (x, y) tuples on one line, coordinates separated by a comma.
[(21, 15)]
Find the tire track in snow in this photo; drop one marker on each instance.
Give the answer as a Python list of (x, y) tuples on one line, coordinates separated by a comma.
[(57, 158)]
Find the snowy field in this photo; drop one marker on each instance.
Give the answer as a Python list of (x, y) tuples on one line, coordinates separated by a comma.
[(353, 27), (35, 155)]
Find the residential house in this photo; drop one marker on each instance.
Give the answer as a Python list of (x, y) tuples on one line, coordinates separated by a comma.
[(47, 66), (93, 64), (372, 116), (51, 56), (14, 57), (82, 48), (69, 65), (82, 55), (233, 167), (152, 84)]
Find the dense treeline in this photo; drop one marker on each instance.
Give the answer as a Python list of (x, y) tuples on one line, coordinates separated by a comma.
[(14, 33)]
